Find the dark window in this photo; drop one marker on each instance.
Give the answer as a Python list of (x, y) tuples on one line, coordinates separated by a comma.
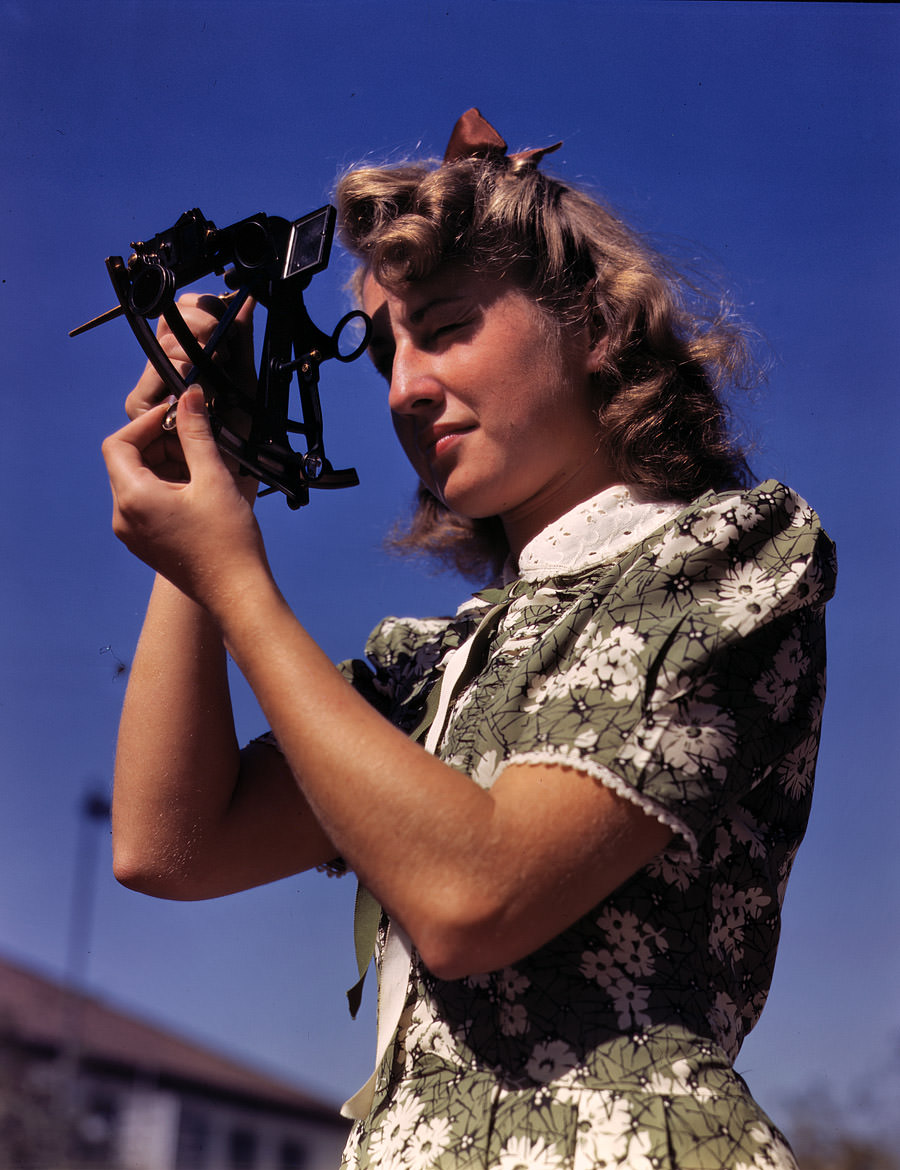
[(96, 1131), (241, 1150), (193, 1141), (292, 1156)]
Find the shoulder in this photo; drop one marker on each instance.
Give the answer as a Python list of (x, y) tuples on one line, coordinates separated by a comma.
[(763, 548), (403, 642)]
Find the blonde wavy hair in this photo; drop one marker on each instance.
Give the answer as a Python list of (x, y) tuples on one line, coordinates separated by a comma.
[(671, 353)]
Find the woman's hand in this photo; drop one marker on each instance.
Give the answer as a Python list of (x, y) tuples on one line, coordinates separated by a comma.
[(201, 313), (178, 507)]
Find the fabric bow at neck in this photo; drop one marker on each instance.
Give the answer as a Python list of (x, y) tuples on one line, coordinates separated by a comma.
[(474, 137)]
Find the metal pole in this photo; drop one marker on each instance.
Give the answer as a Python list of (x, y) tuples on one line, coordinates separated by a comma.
[(95, 809)]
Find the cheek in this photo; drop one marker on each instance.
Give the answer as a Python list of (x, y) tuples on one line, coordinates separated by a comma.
[(405, 432)]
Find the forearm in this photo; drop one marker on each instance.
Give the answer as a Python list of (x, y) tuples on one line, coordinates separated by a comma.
[(375, 792), (177, 758)]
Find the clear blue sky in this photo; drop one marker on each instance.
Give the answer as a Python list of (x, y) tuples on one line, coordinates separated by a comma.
[(761, 136)]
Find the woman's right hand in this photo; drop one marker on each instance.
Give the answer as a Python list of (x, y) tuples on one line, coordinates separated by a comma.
[(201, 313)]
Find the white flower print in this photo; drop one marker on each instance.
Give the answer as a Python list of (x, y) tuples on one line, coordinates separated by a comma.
[(676, 868), (429, 1034), (679, 1084), (638, 1155), (636, 957), (398, 1124), (550, 1060), (351, 1149), (619, 926), (733, 908), (511, 983), (744, 596), (800, 585), (612, 666), (512, 1016), (724, 1019), (586, 740), (799, 767), (675, 546), (615, 664), (604, 1125), (778, 686), (634, 946), (568, 1088), (779, 692), (629, 1001), (745, 514), (791, 661), (710, 701), (698, 740), (774, 1154), (546, 689), (599, 966), (747, 831), (518, 629), (428, 634), (521, 1153), (513, 1019), (716, 527), (427, 1143)]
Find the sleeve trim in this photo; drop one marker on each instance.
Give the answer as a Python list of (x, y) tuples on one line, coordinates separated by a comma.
[(612, 781)]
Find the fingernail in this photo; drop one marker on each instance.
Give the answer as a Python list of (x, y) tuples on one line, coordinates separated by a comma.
[(195, 401)]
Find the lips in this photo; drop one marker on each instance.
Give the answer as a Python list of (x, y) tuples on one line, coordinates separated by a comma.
[(437, 439)]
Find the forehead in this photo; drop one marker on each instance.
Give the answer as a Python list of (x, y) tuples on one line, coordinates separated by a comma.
[(410, 303)]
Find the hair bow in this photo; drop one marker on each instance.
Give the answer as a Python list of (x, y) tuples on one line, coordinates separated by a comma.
[(474, 137)]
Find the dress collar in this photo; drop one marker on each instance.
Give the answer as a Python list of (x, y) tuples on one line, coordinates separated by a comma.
[(598, 529)]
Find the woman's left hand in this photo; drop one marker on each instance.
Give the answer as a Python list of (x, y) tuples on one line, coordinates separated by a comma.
[(178, 507)]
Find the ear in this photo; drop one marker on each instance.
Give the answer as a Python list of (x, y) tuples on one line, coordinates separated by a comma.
[(596, 353)]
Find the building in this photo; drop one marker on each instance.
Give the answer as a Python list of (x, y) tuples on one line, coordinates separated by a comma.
[(83, 1084)]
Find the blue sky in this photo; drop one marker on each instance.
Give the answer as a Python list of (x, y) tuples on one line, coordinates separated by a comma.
[(759, 137)]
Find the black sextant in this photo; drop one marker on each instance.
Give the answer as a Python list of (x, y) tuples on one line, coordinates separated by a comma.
[(272, 260)]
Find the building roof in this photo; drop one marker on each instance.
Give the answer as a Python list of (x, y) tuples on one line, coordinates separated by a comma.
[(42, 1013)]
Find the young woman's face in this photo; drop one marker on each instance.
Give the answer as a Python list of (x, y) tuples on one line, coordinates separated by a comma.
[(493, 409)]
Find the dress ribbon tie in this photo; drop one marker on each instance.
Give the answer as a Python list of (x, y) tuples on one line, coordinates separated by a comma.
[(396, 961)]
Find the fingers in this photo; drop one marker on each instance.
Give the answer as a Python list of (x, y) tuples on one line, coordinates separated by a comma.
[(201, 313)]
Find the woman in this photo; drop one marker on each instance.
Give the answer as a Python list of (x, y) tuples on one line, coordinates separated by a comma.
[(578, 800)]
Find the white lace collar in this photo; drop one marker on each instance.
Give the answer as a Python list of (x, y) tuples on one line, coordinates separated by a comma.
[(596, 530)]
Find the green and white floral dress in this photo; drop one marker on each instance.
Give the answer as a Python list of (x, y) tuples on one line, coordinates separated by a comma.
[(675, 653)]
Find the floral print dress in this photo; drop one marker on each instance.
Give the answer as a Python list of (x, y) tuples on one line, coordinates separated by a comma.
[(675, 653)]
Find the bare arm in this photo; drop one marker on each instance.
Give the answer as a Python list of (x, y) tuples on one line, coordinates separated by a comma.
[(478, 878), (193, 817)]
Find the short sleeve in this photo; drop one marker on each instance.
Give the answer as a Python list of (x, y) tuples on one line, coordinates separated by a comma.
[(403, 657), (683, 676)]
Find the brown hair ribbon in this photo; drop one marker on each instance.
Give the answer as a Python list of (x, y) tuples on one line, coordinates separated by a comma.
[(474, 137)]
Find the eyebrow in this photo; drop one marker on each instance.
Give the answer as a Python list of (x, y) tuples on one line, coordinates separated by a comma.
[(418, 315)]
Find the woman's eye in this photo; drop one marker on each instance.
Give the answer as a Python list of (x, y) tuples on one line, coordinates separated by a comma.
[(446, 330)]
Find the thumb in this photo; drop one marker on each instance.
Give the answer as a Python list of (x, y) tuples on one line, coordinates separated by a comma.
[(194, 430)]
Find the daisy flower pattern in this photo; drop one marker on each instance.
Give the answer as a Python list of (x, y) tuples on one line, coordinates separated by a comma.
[(675, 653)]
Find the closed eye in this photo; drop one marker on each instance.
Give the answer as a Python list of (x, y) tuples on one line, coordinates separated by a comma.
[(443, 332)]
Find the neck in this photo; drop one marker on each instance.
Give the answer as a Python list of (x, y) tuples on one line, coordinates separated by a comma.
[(527, 521)]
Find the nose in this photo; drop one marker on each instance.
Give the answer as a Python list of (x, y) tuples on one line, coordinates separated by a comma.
[(414, 387)]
